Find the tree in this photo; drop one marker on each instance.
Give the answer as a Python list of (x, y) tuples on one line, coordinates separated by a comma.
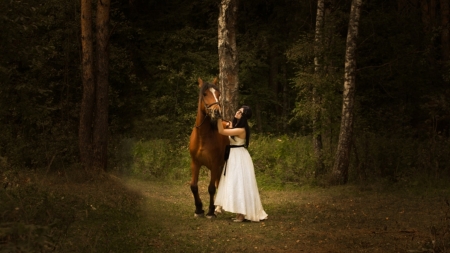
[(101, 99), (93, 131), (341, 161), (228, 59), (318, 61), (88, 99)]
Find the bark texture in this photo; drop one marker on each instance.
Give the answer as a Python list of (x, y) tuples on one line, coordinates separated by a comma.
[(318, 70), (88, 99), (93, 130), (228, 58), (341, 161), (102, 101)]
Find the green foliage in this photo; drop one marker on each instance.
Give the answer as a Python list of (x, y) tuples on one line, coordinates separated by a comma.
[(327, 82), (265, 30), (279, 160), (40, 67), (159, 158), (156, 57), (396, 76), (283, 159), (408, 161)]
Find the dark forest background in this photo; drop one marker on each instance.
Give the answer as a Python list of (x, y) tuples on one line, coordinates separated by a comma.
[(158, 50)]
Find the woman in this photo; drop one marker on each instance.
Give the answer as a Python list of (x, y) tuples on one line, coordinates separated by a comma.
[(238, 190)]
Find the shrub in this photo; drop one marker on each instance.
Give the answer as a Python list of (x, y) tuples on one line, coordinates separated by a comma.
[(158, 158), (283, 159)]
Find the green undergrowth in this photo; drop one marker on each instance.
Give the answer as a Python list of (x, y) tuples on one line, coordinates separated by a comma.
[(40, 214), (158, 158), (282, 160)]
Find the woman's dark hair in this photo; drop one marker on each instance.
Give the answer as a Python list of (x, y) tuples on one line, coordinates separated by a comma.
[(242, 123)]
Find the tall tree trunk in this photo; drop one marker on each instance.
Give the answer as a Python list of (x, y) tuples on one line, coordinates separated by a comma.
[(273, 82), (341, 161), (259, 123), (286, 109), (318, 70), (102, 101), (228, 59), (445, 43), (88, 99), (93, 130)]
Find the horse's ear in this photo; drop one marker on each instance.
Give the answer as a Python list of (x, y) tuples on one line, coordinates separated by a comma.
[(215, 81), (200, 82)]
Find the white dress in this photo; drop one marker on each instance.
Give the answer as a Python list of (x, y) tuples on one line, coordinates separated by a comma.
[(238, 190)]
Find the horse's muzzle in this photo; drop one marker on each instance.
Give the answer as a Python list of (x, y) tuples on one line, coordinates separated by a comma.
[(214, 112)]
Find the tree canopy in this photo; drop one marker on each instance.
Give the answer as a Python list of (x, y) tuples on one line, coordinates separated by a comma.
[(158, 50)]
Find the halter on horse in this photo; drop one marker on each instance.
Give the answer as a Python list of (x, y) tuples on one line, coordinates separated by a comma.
[(206, 145)]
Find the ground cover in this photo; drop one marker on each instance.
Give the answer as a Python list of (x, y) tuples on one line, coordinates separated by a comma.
[(335, 219), (131, 215)]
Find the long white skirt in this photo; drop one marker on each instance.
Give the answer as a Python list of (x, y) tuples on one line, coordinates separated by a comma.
[(238, 190)]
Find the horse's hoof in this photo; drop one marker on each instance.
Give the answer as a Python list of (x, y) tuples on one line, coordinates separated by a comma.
[(199, 215), (211, 216)]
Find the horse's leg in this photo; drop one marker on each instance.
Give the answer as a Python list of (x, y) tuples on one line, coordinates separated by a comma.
[(213, 183), (195, 169), (212, 192)]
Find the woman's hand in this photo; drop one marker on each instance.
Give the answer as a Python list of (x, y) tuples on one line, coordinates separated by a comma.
[(226, 129)]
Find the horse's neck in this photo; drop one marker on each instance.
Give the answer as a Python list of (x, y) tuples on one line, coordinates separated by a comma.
[(200, 117), (203, 124)]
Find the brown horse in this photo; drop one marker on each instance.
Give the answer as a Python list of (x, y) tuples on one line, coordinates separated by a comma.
[(206, 145)]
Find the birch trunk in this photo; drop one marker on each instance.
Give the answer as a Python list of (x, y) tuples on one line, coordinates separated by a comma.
[(341, 161), (273, 82), (228, 60), (318, 62)]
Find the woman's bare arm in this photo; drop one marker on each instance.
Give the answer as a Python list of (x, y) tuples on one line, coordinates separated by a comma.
[(240, 132)]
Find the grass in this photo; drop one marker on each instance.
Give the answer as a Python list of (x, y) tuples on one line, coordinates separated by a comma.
[(132, 215)]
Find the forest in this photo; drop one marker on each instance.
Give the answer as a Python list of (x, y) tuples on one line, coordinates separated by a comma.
[(150, 55), (158, 50)]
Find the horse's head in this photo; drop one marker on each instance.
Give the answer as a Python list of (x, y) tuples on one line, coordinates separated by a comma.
[(209, 99)]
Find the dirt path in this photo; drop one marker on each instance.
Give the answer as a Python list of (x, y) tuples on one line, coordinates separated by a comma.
[(338, 219)]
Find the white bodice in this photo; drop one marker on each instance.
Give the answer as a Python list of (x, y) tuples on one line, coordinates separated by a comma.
[(237, 141)]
